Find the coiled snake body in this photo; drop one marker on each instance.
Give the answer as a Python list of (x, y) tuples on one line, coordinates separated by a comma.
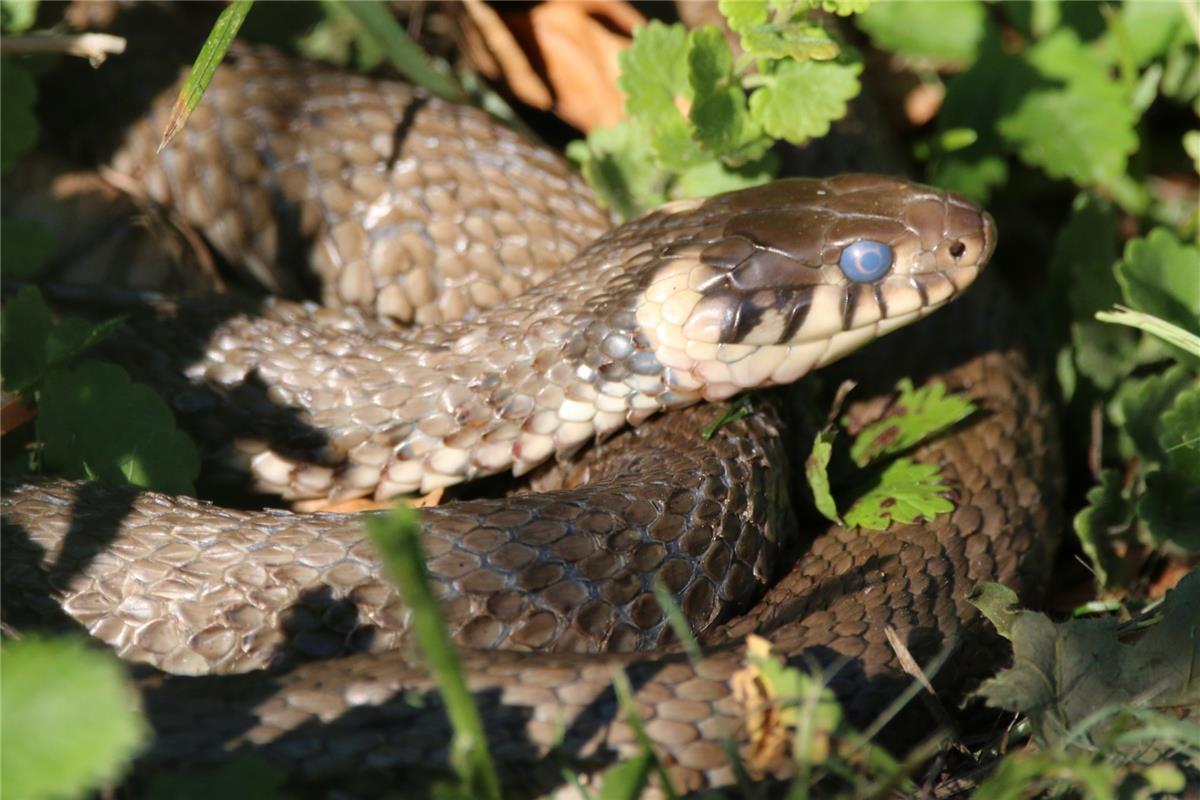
[(418, 210)]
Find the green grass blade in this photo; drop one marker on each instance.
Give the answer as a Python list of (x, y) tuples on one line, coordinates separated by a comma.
[(215, 46), (397, 536), (405, 54), (1171, 334)]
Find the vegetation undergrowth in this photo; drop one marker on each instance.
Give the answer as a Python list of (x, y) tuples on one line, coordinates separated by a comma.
[(1073, 122)]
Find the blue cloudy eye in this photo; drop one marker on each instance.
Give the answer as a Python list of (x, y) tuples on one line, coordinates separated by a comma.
[(865, 261)]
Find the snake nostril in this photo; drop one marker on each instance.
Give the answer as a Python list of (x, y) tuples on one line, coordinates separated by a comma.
[(957, 249)]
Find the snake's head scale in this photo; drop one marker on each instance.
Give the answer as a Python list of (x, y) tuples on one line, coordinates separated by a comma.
[(781, 279)]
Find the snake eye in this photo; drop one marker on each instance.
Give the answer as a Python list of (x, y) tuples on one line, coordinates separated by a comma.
[(865, 261)]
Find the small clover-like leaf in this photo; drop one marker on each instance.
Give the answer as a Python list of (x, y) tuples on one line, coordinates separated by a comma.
[(619, 164), (723, 124), (1083, 129), (906, 492), (68, 724), (1160, 275), (949, 31), (916, 416), (801, 99), (95, 422), (654, 77)]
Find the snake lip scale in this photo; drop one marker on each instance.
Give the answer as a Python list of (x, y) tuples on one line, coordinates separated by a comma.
[(694, 302)]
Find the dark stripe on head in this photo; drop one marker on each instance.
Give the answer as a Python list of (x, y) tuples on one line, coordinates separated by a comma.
[(801, 301), (883, 309)]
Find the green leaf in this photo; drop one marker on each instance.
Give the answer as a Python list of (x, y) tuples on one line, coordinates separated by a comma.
[(843, 8), (801, 99), (397, 536), (1140, 404), (18, 16), (68, 725), (1191, 146), (799, 41), (1107, 519), (219, 40), (816, 471), (627, 780), (1153, 29), (246, 778), (1160, 275), (18, 125), (722, 123), (1084, 128), (24, 330), (946, 32), (915, 416), (654, 77), (998, 603), (1179, 434), (1169, 509), (1065, 675), (28, 245), (906, 492), (620, 166), (95, 422), (713, 177), (743, 14)]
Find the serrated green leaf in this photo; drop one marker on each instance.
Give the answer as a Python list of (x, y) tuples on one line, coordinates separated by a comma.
[(949, 31), (722, 122), (1160, 275), (620, 166), (741, 14), (998, 603), (18, 125), (1064, 674), (843, 8), (28, 245), (1083, 129), (906, 492), (25, 327), (1153, 29), (1179, 435), (68, 725), (1139, 406), (713, 177), (654, 77), (799, 41), (816, 471), (801, 99), (1106, 520), (94, 421), (915, 416), (1169, 509)]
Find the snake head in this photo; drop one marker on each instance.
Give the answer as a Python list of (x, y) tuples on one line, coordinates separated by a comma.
[(780, 279)]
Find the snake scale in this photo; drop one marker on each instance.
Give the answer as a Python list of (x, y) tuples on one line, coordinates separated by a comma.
[(412, 210)]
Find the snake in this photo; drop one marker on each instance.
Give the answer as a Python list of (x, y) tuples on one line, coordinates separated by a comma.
[(481, 316)]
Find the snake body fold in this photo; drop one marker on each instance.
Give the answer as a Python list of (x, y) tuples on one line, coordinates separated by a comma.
[(403, 200)]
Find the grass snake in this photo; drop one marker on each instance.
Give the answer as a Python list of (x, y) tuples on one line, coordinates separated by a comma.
[(412, 210)]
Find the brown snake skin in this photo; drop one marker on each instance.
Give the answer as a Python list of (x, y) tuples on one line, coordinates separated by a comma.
[(193, 588)]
